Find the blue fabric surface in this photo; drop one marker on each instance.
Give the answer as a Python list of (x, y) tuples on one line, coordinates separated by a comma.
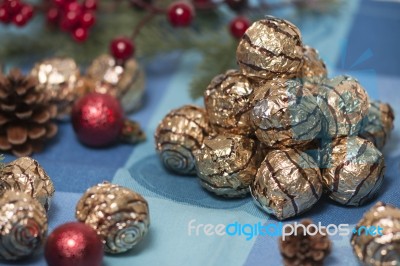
[(361, 40)]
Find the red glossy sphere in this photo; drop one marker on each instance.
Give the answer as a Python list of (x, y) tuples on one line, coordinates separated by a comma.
[(74, 244), (238, 26), (53, 15), (73, 6), (87, 20), (90, 4), (97, 119), (70, 21), (27, 11), (4, 16), (180, 14), (80, 34), (13, 6), (122, 48), (20, 20)]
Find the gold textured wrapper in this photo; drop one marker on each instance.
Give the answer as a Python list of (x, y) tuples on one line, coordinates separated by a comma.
[(227, 164), (227, 101), (181, 132), (285, 114), (126, 83), (378, 124), (378, 250), (23, 225), (58, 78), (313, 71), (287, 183), (354, 170), (344, 103), (26, 175), (119, 215), (270, 48)]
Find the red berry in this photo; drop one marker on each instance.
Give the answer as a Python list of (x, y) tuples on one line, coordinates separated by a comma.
[(4, 16), (238, 26), (70, 21), (87, 20), (53, 15), (20, 20), (73, 6), (90, 4), (122, 48), (27, 11), (13, 6), (180, 14), (80, 34)]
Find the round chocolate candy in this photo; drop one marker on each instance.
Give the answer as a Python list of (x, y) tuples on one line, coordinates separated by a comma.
[(23, 225), (227, 164), (119, 215), (227, 101), (381, 247), (343, 103), (287, 183), (313, 71), (270, 47), (126, 83), (285, 114), (378, 124), (353, 170), (26, 175), (58, 77), (181, 132)]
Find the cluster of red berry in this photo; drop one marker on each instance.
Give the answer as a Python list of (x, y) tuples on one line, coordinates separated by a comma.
[(16, 12), (73, 17)]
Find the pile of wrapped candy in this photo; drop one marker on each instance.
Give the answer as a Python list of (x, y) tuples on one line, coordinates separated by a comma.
[(280, 129)]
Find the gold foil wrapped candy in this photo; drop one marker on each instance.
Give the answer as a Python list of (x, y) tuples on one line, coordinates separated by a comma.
[(178, 135), (126, 83), (58, 77), (285, 113), (23, 225), (287, 183), (227, 101), (382, 247), (313, 71), (270, 48), (344, 103), (119, 215), (227, 164), (26, 175), (378, 124), (354, 170)]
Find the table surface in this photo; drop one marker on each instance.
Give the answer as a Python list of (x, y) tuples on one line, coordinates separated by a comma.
[(362, 40)]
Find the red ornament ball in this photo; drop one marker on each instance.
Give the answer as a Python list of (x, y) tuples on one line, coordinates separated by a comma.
[(122, 48), (238, 26), (74, 244), (97, 119), (80, 34), (180, 14)]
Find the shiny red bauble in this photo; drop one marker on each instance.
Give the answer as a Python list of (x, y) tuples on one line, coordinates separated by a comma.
[(122, 48), (180, 14), (97, 119), (238, 26), (74, 244)]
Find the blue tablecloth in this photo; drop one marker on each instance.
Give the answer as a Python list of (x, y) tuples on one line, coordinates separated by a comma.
[(362, 40)]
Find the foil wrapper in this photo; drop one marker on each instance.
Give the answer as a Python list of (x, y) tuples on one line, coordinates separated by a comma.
[(126, 83), (287, 183), (353, 170), (285, 114), (227, 101), (23, 225), (270, 47), (58, 77), (344, 103), (26, 175), (227, 164), (178, 135), (119, 215), (313, 71), (377, 249), (378, 124)]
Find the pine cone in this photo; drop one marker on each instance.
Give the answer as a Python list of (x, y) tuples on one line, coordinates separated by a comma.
[(25, 115), (305, 250)]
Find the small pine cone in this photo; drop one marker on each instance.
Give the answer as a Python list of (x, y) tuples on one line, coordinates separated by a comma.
[(25, 115), (305, 250)]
